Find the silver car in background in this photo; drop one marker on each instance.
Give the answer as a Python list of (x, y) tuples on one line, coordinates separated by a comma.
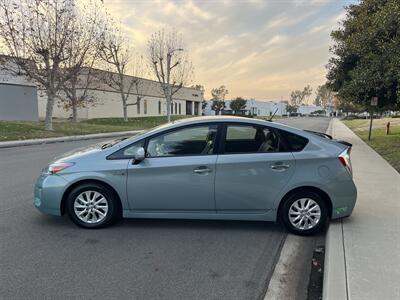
[(226, 168)]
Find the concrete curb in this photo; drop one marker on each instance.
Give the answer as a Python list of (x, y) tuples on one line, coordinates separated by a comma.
[(11, 144), (335, 277)]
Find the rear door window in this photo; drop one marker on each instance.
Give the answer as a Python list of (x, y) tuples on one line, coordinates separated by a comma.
[(251, 139), (293, 141)]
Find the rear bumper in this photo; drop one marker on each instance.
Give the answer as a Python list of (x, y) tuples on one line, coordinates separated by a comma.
[(48, 194), (344, 200)]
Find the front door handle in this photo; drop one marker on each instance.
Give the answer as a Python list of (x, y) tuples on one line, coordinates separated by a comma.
[(202, 170)]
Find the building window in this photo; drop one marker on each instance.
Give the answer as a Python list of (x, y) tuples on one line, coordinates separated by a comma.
[(138, 107), (159, 107), (145, 107), (172, 108), (189, 107), (176, 108), (180, 109), (196, 108)]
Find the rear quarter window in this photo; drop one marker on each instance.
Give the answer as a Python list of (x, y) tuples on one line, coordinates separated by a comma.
[(293, 141)]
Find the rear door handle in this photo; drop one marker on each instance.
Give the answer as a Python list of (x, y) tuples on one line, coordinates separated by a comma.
[(280, 167), (202, 170)]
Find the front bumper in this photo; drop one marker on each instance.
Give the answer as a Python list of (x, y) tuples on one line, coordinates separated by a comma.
[(49, 190)]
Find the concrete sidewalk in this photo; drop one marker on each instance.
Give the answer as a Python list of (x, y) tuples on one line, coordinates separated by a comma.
[(362, 259)]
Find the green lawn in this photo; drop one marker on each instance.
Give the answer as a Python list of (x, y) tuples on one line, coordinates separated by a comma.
[(22, 130), (386, 145)]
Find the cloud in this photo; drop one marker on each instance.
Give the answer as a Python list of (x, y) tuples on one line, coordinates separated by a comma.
[(258, 49)]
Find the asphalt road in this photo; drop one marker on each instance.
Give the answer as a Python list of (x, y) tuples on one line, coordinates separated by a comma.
[(49, 257)]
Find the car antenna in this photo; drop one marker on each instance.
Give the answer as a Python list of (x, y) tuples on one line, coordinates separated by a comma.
[(270, 119)]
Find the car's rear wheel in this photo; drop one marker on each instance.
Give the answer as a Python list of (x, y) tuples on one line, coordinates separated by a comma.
[(304, 213), (92, 205)]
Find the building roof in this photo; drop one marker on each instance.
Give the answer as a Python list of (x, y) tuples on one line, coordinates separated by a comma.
[(146, 86)]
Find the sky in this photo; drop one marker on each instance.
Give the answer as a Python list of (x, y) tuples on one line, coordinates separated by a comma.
[(257, 49)]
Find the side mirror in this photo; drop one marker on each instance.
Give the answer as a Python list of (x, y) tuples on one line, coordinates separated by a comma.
[(139, 155)]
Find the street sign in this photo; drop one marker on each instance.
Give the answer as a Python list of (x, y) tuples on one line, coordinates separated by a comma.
[(374, 101)]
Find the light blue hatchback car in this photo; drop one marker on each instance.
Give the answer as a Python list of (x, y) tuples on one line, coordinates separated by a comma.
[(227, 168)]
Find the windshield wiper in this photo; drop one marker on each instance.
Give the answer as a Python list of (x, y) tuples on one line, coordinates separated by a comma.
[(112, 143)]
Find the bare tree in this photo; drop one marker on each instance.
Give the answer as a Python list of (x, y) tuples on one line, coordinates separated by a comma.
[(120, 63), (37, 36), (169, 63), (297, 97), (85, 47), (307, 92)]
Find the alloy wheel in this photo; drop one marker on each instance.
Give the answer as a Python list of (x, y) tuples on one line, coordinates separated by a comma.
[(91, 207), (304, 214)]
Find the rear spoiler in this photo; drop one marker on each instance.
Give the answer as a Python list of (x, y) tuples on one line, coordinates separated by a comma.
[(327, 136), (324, 135)]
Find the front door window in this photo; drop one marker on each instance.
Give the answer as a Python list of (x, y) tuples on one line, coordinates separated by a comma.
[(195, 140)]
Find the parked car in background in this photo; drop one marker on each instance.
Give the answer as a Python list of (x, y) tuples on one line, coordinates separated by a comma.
[(227, 168)]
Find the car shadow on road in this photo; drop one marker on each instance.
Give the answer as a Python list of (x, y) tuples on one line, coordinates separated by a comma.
[(166, 224)]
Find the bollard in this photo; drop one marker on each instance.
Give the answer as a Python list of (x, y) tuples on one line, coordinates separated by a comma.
[(388, 128)]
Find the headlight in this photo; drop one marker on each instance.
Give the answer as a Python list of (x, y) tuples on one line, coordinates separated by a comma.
[(56, 167)]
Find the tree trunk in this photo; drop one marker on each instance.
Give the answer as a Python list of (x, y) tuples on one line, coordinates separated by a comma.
[(169, 101), (48, 123), (125, 109), (74, 112)]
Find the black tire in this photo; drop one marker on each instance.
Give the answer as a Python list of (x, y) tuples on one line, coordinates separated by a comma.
[(284, 213), (113, 213)]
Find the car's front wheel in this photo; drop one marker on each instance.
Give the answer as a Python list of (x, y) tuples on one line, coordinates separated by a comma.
[(304, 213), (92, 205)]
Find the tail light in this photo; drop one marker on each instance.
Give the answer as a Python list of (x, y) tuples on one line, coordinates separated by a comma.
[(344, 159)]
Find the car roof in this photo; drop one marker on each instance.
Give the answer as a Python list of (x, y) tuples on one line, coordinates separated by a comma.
[(225, 119), (230, 119)]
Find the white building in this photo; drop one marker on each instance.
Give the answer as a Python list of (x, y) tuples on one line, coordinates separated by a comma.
[(309, 109), (18, 96), (254, 107), (106, 100)]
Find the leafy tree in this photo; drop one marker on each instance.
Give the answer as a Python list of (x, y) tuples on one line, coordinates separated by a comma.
[(238, 104), (366, 54), (347, 106), (218, 99), (204, 104), (324, 96), (291, 109)]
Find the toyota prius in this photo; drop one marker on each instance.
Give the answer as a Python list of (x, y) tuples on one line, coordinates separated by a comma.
[(225, 168)]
